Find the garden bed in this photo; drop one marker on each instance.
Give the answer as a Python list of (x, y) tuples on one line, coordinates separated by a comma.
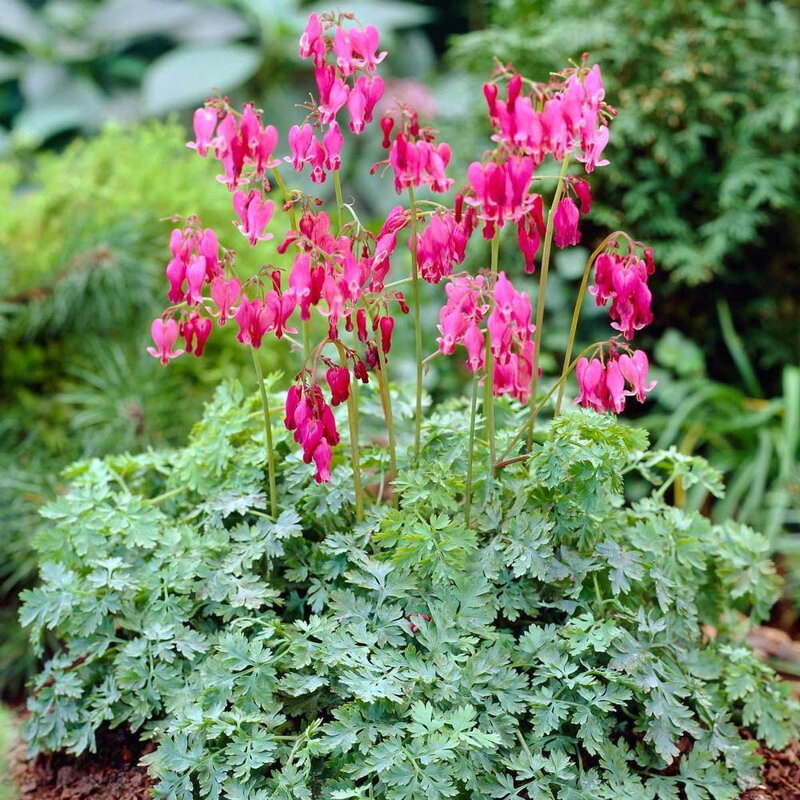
[(113, 774)]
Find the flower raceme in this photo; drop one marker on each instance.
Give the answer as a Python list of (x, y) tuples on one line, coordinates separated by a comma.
[(311, 419), (508, 323), (338, 273), (602, 383), (623, 280)]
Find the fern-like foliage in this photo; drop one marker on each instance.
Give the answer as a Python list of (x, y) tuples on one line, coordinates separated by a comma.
[(557, 647)]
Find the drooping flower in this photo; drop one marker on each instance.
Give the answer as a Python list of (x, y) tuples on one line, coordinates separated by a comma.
[(225, 294), (441, 245), (165, 334), (339, 381), (593, 148), (255, 214), (196, 275), (195, 332), (419, 163), (565, 223), (333, 93), (311, 419), (386, 327), (332, 142), (257, 317), (195, 260), (591, 377), (251, 318), (204, 123), (602, 384), (510, 335), (623, 280), (465, 304), (299, 141), (500, 191), (584, 193), (312, 43), (634, 369)]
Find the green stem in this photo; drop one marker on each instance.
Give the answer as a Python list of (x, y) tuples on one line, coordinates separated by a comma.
[(417, 323), (488, 384), (154, 501), (472, 414), (286, 197), (337, 186), (395, 284), (352, 419), (548, 245), (587, 270), (273, 491), (386, 402)]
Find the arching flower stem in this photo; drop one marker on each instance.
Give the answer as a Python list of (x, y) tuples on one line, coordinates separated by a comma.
[(548, 245), (587, 270)]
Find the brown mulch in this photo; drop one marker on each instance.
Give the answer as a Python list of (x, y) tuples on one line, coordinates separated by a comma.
[(781, 775), (110, 774)]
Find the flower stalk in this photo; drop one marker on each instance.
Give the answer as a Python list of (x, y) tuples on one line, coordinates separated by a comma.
[(273, 491), (352, 421), (417, 324), (488, 386), (548, 245), (473, 409)]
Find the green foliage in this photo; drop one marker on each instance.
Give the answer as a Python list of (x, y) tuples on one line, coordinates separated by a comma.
[(556, 648), (753, 441), (8, 737), (704, 157), (83, 245)]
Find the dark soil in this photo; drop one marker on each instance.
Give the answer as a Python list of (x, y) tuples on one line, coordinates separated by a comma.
[(110, 774)]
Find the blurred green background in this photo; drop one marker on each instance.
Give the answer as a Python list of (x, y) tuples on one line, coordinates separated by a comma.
[(95, 101)]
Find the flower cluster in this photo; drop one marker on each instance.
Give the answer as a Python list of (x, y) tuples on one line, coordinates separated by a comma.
[(443, 243), (414, 156), (602, 382), (557, 118), (508, 324), (510, 331), (195, 260), (334, 273), (565, 117), (340, 271), (348, 81), (239, 142), (622, 279), (311, 419)]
